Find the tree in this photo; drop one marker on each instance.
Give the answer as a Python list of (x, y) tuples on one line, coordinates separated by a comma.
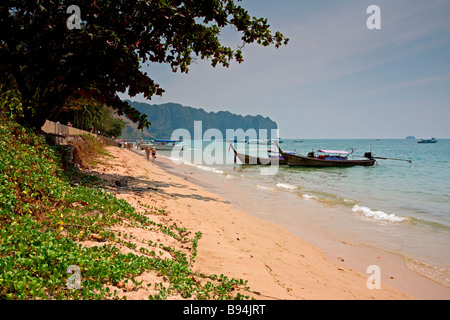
[(50, 62), (110, 126), (86, 112), (81, 112)]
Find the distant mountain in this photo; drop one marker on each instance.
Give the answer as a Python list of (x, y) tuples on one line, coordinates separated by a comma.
[(166, 118), (410, 138)]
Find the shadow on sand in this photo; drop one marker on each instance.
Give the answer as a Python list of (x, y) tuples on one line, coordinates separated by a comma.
[(125, 184)]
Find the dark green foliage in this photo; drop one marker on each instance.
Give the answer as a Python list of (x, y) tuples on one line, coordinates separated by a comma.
[(49, 63)]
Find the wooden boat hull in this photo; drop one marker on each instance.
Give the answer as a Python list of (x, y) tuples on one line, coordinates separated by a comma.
[(294, 160), (247, 159)]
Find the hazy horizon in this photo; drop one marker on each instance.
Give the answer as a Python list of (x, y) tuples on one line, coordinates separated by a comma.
[(298, 137)]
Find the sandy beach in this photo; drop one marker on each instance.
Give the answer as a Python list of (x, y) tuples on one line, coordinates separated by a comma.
[(277, 263)]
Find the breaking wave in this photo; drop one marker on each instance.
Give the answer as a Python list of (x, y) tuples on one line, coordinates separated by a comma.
[(309, 197), (286, 186), (264, 187), (377, 215)]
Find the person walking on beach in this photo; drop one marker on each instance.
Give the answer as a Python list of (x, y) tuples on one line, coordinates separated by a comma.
[(154, 154), (147, 152)]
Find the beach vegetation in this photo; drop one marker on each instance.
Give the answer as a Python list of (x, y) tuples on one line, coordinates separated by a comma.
[(49, 224), (55, 216)]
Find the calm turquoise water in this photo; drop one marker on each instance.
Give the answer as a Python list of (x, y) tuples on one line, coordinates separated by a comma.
[(397, 206), (419, 190)]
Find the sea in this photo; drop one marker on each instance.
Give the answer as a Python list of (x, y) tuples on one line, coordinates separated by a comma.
[(397, 206)]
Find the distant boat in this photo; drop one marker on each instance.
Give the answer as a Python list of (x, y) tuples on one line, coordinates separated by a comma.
[(159, 144), (432, 140), (298, 140), (235, 140), (263, 141)]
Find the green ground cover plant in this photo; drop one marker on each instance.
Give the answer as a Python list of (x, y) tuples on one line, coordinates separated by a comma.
[(45, 219)]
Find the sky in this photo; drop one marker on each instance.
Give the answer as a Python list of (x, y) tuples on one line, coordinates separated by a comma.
[(336, 78)]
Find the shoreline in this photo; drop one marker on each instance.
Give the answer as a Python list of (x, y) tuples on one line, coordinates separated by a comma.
[(277, 263)]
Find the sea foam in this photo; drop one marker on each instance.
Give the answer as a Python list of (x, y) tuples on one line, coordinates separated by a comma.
[(309, 197), (286, 186), (377, 215), (264, 187), (210, 169)]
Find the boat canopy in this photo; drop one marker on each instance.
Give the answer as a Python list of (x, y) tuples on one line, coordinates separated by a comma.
[(159, 140), (333, 151), (290, 152)]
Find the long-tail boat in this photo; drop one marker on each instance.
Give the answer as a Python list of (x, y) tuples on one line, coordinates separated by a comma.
[(327, 158), (332, 158)]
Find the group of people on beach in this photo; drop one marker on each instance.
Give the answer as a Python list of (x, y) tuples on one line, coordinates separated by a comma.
[(152, 151)]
